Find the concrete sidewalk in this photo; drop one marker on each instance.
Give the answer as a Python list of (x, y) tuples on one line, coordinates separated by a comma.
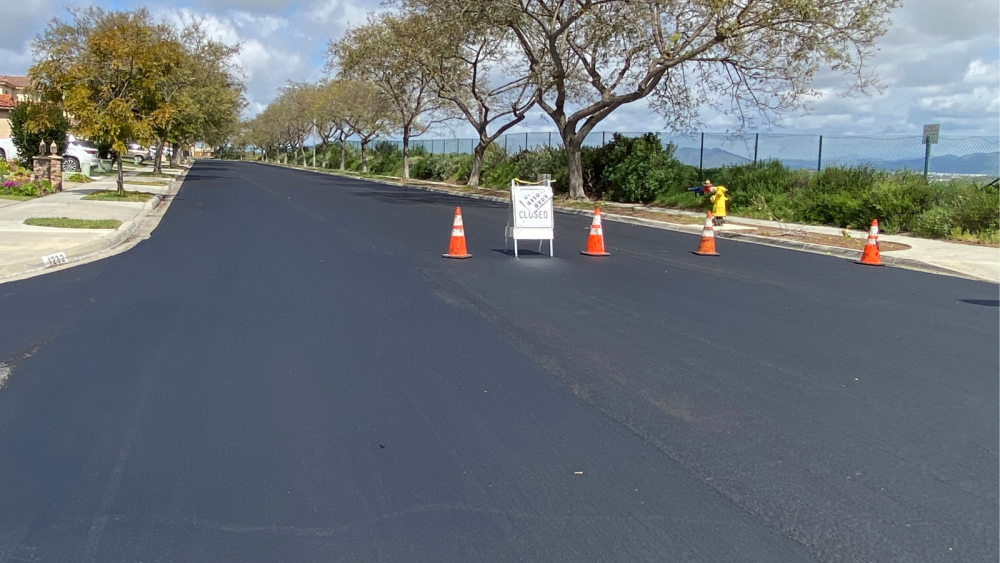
[(22, 246)]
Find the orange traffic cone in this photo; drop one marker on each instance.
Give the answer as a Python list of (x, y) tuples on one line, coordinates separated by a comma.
[(707, 245), (457, 247), (870, 256), (595, 244)]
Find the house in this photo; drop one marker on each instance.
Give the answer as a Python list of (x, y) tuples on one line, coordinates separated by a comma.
[(13, 89)]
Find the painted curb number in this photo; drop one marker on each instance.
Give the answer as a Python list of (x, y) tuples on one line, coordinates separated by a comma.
[(54, 259)]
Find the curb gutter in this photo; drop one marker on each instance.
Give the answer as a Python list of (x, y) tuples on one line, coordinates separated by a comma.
[(835, 251), (81, 252)]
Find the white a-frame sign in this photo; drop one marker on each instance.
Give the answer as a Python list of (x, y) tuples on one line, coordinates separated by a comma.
[(530, 216)]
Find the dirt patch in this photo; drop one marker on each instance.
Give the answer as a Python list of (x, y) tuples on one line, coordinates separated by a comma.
[(829, 240)]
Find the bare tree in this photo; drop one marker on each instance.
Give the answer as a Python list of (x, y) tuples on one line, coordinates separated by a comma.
[(750, 58)]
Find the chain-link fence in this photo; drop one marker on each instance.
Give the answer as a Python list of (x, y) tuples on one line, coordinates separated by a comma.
[(952, 156)]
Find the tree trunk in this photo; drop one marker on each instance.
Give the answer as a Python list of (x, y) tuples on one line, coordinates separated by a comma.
[(406, 152), (121, 177), (477, 164), (343, 153), (364, 157), (326, 154), (158, 157), (575, 166)]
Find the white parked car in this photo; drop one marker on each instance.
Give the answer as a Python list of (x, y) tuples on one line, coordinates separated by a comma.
[(79, 152), (7, 149)]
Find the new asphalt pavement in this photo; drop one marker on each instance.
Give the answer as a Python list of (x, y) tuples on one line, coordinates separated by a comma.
[(288, 370)]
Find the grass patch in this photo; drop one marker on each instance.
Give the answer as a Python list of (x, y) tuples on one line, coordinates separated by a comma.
[(112, 195), (17, 197), (145, 182), (154, 175), (67, 223)]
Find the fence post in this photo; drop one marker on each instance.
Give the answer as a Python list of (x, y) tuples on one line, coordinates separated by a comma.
[(505, 144), (927, 156), (604, 138), (756, 140), (701, 159), (550, 139), (819, 159), (525, 141)]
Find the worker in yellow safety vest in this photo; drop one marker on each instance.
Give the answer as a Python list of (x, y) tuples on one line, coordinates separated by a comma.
[(718, 200)]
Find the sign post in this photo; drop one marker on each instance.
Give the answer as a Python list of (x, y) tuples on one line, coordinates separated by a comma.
[(530, 216), (931, 133)]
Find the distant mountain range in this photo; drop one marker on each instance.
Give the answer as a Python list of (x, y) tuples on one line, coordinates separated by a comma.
[(987, 164)]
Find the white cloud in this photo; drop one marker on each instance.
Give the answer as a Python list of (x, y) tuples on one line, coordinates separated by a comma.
[(981, 72)]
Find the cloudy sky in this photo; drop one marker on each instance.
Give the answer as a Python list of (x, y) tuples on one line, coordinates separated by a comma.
[(940, 61)]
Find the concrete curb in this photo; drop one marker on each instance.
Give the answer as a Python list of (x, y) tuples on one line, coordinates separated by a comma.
[(81, 252), (834, 251)]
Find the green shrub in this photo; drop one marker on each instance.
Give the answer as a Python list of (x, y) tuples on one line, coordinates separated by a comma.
[(385, 158), (441, 167), (758, 185), (976, 209), (80, 178), (837, 209), (897, 200), (636, 169), (352, 157), (498, 168), (837, 179), (934, 223)]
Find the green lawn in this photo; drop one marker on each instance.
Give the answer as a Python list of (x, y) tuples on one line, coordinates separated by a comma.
[(16, 197), (155, 175), (145, 183), (112, 195), (66, 223)]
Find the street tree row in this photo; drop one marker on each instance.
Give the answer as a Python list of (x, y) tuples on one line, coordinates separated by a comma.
[(123, 77), (490, 62)]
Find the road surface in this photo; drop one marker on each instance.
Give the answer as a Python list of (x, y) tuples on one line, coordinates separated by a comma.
[(289, 371)]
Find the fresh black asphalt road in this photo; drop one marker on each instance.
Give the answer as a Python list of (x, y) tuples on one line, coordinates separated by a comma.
[(288, 370)]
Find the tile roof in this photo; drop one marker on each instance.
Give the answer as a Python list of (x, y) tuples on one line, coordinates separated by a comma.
[(6, 102), (18, 82)]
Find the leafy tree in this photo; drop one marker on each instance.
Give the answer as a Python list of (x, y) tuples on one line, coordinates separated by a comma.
[(470, 67), (330, 112), (106, 68), (367, 111), (205, 90), (379, 53), (746, 57), (32, 123)]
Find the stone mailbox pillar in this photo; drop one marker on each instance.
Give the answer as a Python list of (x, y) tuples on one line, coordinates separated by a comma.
[(49, 168)]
